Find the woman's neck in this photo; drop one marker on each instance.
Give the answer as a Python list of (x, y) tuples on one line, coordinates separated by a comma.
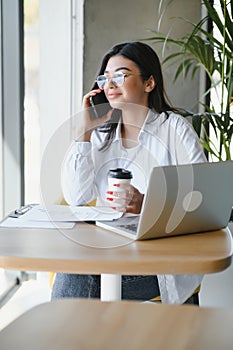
[(132, 122), (129, 135)]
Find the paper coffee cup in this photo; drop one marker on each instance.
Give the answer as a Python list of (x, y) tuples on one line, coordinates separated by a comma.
[(118, 176)]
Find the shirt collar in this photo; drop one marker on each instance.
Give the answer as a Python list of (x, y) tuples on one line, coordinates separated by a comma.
[(151, 116), (118, 131)]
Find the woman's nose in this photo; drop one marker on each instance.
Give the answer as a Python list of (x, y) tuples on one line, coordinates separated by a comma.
[(109, 83)]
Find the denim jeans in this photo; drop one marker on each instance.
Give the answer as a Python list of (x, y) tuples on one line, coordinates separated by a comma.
[(88, 286)]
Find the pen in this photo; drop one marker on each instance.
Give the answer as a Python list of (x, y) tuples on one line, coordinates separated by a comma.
[(23, 210)]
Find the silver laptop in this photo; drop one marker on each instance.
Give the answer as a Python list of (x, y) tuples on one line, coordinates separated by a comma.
[(180, 200)]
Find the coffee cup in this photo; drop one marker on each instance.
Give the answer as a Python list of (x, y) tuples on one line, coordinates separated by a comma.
[(118, 176)]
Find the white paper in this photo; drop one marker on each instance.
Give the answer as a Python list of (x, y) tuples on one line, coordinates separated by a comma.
[(66, 213), (15, 222), (60, 216)]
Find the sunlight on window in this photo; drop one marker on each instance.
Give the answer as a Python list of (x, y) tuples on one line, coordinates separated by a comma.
[(31, 102)]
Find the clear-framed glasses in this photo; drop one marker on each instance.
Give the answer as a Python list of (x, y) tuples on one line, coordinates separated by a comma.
[(117, 79)]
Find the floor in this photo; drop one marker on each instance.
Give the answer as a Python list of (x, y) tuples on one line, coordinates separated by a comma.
[(216, 291), (30, 293)]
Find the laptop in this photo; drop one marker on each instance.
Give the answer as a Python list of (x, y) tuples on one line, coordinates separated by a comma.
[(181, 199)]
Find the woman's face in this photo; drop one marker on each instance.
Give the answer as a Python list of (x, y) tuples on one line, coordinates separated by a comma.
[(133, 88)]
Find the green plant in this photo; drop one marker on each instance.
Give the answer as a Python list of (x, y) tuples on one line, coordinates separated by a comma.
[(212, 51)]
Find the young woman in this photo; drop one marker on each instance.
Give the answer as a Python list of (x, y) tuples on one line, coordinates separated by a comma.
[(141, 130)]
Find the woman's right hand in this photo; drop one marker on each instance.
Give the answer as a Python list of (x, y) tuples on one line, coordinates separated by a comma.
[(87, 123)]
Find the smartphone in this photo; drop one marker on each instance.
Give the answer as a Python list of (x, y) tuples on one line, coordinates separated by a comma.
[(100, 105)]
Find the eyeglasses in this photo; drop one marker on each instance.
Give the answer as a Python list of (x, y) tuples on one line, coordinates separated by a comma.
[(117, 79)]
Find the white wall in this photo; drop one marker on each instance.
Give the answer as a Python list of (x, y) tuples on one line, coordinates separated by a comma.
[(60, 31), (55, 70)]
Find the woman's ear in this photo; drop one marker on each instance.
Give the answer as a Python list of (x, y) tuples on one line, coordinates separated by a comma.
[(150, 84)]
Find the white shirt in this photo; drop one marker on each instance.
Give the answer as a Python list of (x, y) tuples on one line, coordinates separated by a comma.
[(162, 141)]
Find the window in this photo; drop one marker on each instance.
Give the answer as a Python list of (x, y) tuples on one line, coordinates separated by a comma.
[(31, 102), (12, 95)]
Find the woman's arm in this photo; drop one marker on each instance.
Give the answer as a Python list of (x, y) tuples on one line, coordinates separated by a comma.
[(78, 171), (78, 175)]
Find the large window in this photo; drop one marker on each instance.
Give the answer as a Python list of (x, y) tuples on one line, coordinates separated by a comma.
[(12, 95), (41, 45), (31, 102)]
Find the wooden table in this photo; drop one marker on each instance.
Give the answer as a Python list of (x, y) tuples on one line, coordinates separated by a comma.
[(90, 324), (88, 249)]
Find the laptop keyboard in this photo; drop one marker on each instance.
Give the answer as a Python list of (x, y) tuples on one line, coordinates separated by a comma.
[(124, 224), (129, 227)]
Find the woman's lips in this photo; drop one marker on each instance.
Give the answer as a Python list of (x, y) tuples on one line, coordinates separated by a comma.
[(113, 95)]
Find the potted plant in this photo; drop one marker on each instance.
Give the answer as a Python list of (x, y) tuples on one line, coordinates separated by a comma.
[(211, 50)]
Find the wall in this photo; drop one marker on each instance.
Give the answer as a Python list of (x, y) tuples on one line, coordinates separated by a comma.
[(55, 53), (54, 91), (107, 23)]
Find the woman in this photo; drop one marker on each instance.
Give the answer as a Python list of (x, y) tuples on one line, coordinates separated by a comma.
[(141, 130)]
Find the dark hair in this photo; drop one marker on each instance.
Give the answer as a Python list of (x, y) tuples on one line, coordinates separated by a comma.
[(148, 63)]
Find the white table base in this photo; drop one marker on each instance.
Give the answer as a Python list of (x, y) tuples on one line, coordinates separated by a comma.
[(110, 287)]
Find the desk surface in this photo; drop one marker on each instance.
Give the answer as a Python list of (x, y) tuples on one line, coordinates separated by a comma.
[(91, 249), (90, 324)]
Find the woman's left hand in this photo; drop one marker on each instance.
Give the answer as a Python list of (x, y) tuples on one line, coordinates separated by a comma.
[(128, 199)]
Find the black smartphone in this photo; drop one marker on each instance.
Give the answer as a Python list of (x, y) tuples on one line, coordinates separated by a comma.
[(100, 105)]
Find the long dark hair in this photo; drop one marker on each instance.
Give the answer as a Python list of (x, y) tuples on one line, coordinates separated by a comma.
[(149, 65)]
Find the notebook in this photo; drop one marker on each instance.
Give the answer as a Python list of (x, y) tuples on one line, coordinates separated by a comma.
[(181, 199)]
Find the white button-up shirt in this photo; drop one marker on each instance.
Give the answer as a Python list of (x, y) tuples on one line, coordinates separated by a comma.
[(162, 141)]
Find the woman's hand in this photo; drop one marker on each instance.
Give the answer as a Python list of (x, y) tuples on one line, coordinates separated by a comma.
[(128, 199), (87, 123)]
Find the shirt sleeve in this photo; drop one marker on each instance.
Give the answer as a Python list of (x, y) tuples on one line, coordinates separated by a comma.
[(187, 144), (78, 180)]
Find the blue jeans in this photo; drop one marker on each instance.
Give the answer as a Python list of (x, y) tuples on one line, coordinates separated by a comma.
[(88, 286)]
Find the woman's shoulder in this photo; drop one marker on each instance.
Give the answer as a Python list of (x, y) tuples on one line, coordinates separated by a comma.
[(176, 120), (175, 117), (168, 119), (182, 124)]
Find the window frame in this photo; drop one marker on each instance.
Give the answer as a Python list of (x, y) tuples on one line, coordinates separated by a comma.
[(12, 105)]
